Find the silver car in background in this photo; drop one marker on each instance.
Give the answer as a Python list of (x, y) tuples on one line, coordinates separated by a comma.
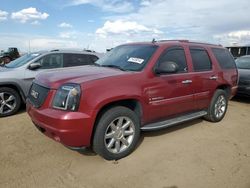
[(17, 76)]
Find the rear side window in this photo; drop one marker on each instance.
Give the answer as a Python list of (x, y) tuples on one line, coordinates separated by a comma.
[(72, 60), (176, 55), (224, 58), (51, 61), (200, 59)]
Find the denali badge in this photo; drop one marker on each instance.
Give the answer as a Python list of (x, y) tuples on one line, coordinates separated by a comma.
[(34, 94)]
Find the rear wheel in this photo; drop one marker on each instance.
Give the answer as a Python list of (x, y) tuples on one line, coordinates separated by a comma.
[(117, 133), (218, 106), (10, 101)]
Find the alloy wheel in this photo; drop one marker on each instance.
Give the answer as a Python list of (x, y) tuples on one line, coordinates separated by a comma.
[(7, 102), (220, 106), (119, 135)]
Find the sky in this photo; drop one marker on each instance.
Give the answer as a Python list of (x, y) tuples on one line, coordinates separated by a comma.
[(102, 24)]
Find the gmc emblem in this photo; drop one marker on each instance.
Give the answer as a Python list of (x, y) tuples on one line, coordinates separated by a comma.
[(34, 94)]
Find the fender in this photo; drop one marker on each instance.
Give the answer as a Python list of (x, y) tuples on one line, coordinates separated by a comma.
[(16, 86)]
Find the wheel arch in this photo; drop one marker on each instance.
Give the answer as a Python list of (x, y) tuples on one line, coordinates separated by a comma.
[(16, 87), (226, 88), (131, 103)]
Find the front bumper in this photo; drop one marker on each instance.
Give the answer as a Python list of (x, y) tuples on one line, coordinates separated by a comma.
[(72, 129)]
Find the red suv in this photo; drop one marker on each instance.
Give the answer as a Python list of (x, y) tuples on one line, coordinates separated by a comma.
[(135, 87)]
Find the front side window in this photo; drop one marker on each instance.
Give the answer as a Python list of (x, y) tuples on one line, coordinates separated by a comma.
[(128, 57), (51, 61), (176, 55), (200, 59)]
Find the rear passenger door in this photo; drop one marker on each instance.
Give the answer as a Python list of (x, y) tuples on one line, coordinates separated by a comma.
[(204, 77), (72, 60)]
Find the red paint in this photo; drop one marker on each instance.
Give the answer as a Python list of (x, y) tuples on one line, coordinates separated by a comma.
[(160, 97)]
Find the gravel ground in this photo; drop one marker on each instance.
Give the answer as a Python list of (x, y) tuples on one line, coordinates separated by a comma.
[(194, 154)]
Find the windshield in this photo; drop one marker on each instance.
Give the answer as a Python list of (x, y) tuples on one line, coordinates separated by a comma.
[(128, 57), (243, 62), (21, 60)]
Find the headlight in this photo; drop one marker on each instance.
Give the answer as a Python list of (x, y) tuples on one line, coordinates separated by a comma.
[(67, 97)]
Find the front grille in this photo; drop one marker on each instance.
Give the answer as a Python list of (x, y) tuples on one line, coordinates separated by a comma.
[(37, 95)]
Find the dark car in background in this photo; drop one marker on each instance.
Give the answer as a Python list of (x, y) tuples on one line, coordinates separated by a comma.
[(16, 77), (9, 55), (243, 64)]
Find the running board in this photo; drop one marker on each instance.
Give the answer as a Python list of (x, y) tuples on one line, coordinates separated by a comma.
[(173, 121)]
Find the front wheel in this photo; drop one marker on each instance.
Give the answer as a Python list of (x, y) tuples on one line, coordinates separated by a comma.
[(10, 101), (218, 106), (117, 133)]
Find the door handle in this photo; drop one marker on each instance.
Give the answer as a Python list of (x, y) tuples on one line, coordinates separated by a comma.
[(213, 78), (187, 81)]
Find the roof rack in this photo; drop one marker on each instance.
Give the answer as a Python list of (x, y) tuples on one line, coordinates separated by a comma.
[(188, 41), (171, 40), (87, 50), (55, 50)]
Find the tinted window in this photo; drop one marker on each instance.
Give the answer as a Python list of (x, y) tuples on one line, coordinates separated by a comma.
[(51, 61), (71, 60), (175, 55), (224, 58), (200, 58), (128, 57), (243, 62)]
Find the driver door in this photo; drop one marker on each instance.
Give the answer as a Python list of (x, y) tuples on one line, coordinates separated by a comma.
[(171, 94)]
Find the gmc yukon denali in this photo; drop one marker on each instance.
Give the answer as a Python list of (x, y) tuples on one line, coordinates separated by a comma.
[(135, 87)]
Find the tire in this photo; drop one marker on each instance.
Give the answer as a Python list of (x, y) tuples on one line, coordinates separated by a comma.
[(218, 106), (115, 137), (10, 101)]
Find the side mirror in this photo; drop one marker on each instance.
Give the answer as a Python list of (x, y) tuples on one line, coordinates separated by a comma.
[(167, 67), (34, 66)]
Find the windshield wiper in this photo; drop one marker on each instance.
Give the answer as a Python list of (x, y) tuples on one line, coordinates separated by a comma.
[(114, 66)]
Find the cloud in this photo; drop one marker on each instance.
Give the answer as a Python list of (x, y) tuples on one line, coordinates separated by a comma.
[(3, 15), (65, 25), (37, 42), (35, 23), (241, 37), (117, 6), (120, 27), (68, 35), (29, 14), (145, 3), (195, 20), (239, 34)]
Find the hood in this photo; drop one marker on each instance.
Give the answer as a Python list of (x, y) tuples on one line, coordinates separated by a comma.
[(54, 79)]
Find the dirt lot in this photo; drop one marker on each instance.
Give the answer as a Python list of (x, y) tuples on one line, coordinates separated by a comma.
[(194, 154)]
